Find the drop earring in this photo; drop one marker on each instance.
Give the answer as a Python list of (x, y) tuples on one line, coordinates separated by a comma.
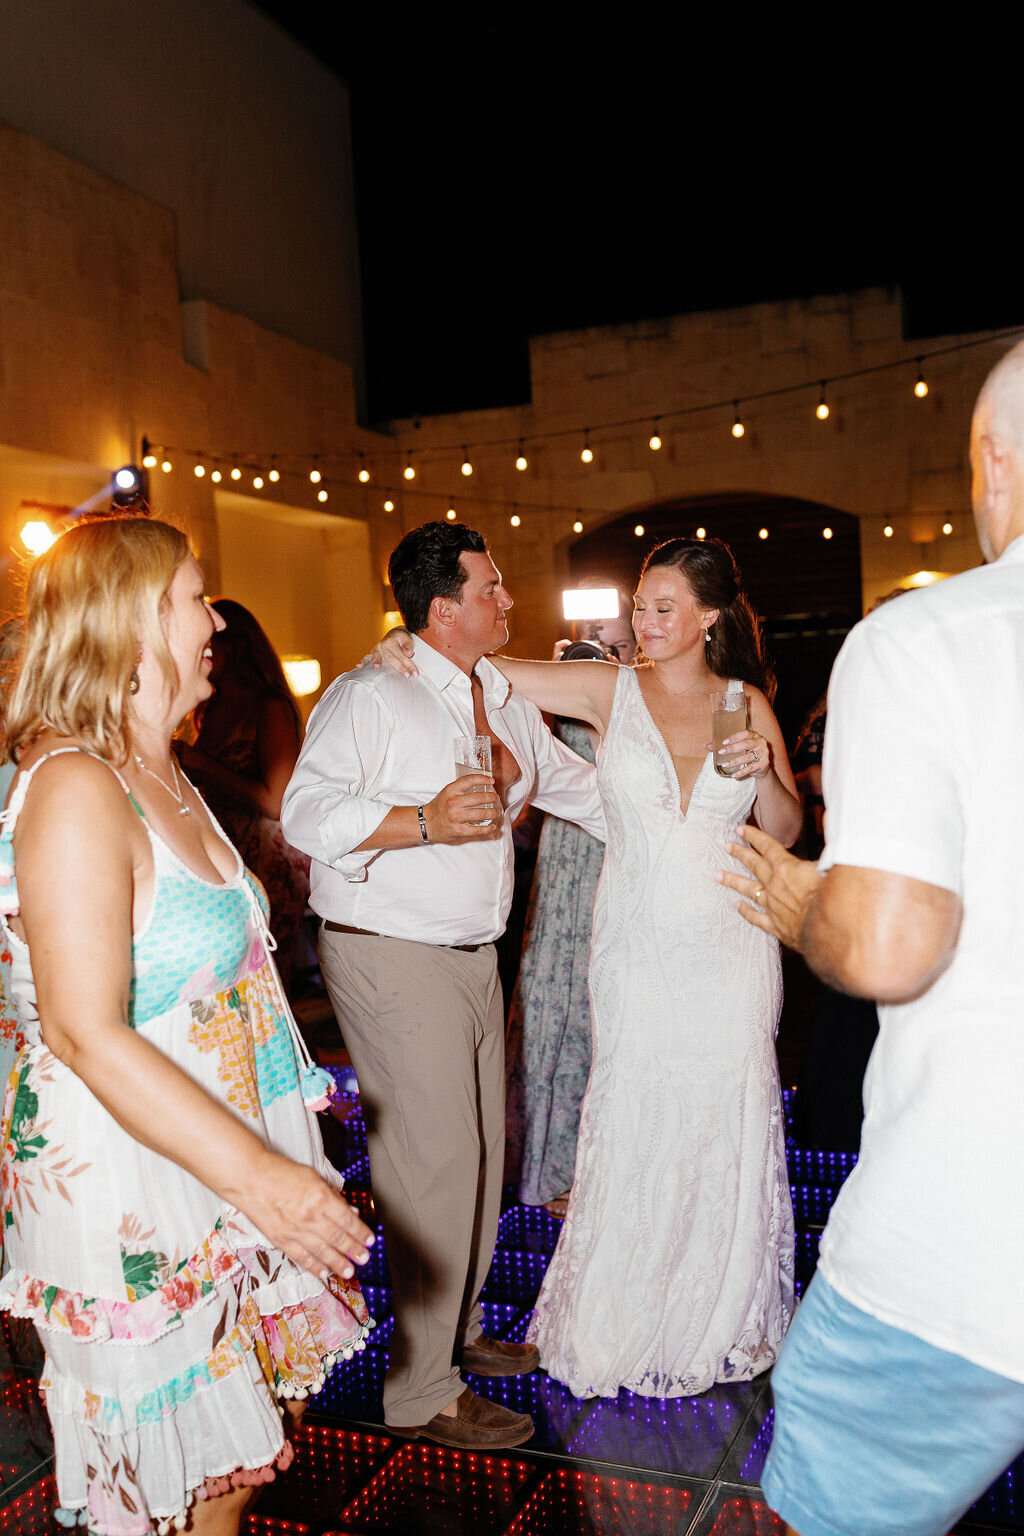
[(133, 681), (707, 637)]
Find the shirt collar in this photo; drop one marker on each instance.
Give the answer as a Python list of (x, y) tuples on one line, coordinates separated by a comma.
[(442, 673)]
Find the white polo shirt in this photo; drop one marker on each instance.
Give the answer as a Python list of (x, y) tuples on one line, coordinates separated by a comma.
[(924, 776)]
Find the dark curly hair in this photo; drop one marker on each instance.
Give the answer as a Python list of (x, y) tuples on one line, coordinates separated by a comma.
[(426, 564), (735, 647)]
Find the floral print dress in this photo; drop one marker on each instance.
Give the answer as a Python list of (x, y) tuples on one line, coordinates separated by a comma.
[(171, 1326)]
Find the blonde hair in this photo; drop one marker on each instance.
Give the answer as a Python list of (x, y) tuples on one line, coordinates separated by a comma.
[(97, 594)]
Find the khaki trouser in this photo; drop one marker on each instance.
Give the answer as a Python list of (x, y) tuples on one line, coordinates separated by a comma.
[(424, 1028)]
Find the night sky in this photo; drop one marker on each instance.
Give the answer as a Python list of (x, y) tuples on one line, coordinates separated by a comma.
[(518, 182)]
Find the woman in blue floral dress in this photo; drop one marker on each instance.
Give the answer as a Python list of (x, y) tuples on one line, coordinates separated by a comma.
[(171, 1225)]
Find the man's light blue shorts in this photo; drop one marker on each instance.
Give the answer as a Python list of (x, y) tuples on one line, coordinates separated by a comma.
[(877, 1432)]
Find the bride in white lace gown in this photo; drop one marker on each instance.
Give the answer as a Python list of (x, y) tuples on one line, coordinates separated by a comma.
[(675, 1265)]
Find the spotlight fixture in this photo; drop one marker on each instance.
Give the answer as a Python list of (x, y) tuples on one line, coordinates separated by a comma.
[(822, 408), (738, 428), (521, 459), (129, 487), (586, 452)]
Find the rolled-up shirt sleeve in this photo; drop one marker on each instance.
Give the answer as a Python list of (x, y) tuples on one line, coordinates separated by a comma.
[(330, 805), (566, 783)]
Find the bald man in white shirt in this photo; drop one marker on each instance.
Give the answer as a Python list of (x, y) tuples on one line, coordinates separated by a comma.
[(899, 1393), (412, 875)]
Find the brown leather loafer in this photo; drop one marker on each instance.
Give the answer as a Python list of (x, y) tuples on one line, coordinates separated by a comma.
[(477, 1425), (496, 1357)]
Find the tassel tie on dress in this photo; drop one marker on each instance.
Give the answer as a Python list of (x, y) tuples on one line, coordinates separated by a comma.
[(316, 1085)]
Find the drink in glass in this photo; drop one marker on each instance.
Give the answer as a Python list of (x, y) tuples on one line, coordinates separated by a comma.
[(473, 755), (728, 718)]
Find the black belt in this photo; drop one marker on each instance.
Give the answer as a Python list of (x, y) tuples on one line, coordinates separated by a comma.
[(369, 933)]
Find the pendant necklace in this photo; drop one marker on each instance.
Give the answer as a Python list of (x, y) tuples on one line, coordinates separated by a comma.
[(175, 793)]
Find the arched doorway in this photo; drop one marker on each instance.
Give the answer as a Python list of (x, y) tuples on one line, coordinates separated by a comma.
[(805, 586)]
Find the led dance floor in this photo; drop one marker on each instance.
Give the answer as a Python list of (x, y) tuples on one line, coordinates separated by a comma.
[(633, 1466)]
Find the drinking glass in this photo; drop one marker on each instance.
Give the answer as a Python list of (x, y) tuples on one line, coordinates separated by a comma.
[(728, 718), (473, 755)]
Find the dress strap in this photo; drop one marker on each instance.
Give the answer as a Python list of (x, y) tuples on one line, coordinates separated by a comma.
[(9, 904)]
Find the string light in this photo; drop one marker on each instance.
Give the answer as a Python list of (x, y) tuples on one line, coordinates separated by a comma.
[(515, 520), (166, 466), (577, 526), (450, 514), (654, 441), (822, 408), (389, 506), (467, 468), (408, 472), (738, 428), (702, 533), (920, 388), (521, 459), (887, 531), (148, 456), (364, 473), (826, 533), (947, 527), (314, 474), (199, 471), (216, 477), (275, 473), (321, 495), (639, 530), (762, 533), (586, 452), (236, 473), (257, 482)]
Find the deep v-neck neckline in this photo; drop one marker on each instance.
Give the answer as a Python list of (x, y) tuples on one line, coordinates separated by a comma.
[(673, 771)]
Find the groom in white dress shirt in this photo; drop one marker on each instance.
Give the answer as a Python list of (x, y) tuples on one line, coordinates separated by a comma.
[(412, 874)]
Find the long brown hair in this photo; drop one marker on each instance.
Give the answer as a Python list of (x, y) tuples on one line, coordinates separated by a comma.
[(735, 647)]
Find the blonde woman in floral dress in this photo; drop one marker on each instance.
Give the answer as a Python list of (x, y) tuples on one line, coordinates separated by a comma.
[(171, 1225)]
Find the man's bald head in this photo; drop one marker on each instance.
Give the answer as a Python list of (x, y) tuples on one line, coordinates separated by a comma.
[(997, 455)]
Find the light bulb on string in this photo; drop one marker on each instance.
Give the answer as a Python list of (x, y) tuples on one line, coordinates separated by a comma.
[(314, 474), (947, 528), (450, 514), (236, 473), (408, 473), (466, 466), (887, 531), (364, 473), (762, 533), (577, 526), (654, 441), (515, 520), (521, 459), (921, 387), (702, 533), (216, 476), (389, 505), (586, 452), (821, 410), (321, 495), (639, 530), (738, 428), (257, 482), (275, 474), (166, 466), (826, 533), (199, 471), (148, 456)]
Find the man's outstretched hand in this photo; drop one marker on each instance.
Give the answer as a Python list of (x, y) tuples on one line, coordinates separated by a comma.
[(781, 886)]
